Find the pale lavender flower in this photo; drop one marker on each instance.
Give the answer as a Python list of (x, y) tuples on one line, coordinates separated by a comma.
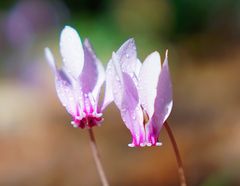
[(79, 81), (142, 92)]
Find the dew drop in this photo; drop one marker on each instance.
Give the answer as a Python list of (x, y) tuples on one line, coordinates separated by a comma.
[(133, 116), (124, 109)]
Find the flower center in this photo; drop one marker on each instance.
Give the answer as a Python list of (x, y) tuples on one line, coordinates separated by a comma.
[(87, 116), (88, 121)]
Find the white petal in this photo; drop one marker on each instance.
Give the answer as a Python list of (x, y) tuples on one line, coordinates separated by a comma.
[(100, 81), (148, 79), (138, 67), (72, 51), (65, 92), (163, 102), (117, 81)]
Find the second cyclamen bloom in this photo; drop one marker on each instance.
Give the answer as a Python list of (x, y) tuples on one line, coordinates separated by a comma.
[(79, 81), (142, 92)]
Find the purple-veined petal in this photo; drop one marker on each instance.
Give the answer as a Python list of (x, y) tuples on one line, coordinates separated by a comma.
[(72, 51), (50, 60), (163, 102), (148, 80), (100, 73), (131, 111), (126, 98), (89, 75)]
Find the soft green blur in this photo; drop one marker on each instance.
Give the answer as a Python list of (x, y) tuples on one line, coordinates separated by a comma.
[(40, 147)]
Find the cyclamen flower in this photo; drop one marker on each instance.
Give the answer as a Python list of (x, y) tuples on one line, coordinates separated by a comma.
[(142, 92), (79, 81)]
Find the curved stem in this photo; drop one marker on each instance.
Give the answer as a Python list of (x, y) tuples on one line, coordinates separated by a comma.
[(177, 154), (96, 157)]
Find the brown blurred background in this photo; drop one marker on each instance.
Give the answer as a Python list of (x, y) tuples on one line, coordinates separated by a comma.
[(39, 147)]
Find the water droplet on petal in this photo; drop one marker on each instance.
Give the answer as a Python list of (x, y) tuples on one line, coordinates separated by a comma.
[(124, 109), (133, 116)]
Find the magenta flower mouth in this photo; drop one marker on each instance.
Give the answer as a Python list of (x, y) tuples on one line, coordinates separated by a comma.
[(87, 122), (145, 144)]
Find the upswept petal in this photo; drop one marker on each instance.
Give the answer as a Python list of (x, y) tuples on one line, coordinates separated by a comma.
[(128, 56), (148, 80), (89, 76), (99, 71), (72, 51), (163, 102), (101, 78), (65, 91), (108, 93), (126, 98), (50, 60), (117, 81)]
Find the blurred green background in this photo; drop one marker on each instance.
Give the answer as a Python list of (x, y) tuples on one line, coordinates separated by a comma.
[(40, 147)]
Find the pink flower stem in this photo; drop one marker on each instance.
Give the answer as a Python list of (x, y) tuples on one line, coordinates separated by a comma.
[(177, 154), (96, 157)]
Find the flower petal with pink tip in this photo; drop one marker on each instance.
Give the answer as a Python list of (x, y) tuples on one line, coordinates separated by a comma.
[(126, 98), (163, 102)]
